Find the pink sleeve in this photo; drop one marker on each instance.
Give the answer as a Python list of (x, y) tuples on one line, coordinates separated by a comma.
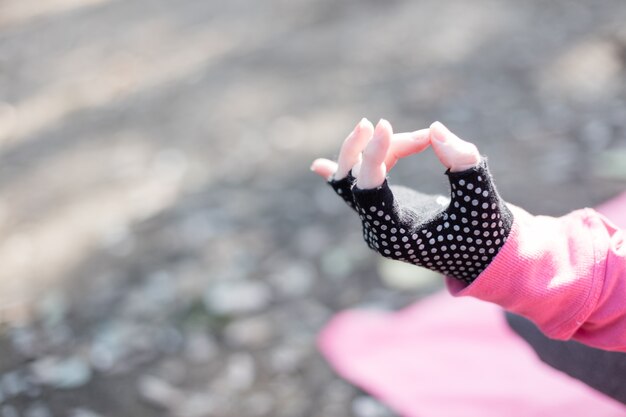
[(566, 274)]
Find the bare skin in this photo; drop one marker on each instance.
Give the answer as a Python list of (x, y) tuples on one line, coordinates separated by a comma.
[(372, 152)]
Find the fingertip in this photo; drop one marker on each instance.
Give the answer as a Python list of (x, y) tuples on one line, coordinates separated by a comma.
[(440, 133), (324, 168), (365, 124), (454, 153), (384, 129), (376, 150)]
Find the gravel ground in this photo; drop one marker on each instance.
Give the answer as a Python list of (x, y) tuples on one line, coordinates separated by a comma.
[(165, 249)]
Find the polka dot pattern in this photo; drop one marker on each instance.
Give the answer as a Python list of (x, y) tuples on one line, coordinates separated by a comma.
[(459, 240)]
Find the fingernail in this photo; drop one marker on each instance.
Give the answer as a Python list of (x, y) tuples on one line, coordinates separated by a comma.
[(363, 123), (437, 129), (381, 125)]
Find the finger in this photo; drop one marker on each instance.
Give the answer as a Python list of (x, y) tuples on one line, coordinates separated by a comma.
[(373, 170), (453, 152), (405, 144), (350, 153), (324, 168)]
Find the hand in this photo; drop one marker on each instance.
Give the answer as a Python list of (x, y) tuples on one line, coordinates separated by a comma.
[(457, 236), (341, 174), (399, 146)]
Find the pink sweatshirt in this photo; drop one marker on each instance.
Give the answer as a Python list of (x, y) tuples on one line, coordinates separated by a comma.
[(566, 274)]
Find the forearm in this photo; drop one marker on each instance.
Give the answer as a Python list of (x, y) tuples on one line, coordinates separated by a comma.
[(566, 274)]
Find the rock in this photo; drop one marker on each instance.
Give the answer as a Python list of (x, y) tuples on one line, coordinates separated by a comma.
[(259, 404), (25, 341), (289, 358), (237, 297), (109, 344), (337, 263), (311, 241), (200, 347), (196, 405), (365, 406), (610, 164), (37, 410), (53, 308), (159, 393), (14, 383), (83, 412), (403, 276), (169, 340), (240, 372), (294, 279), (253, 332), (62, 373), (8, 411)]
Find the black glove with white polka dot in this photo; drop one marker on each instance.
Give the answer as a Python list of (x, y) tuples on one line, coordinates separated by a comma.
[(458, 237)]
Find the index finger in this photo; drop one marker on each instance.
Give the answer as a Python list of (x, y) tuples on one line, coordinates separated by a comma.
[(405, 144)]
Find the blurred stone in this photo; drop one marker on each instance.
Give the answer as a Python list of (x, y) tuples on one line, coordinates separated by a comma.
[(237, 297), (198, 228), (294, 279), (159, 289), (14, 383), (288, 358), (407, 277), (25, 341), (196, 405), (170, 164), (312, 240), (200, 347), (118, 240), (589, 70), (610, 164), (365, 406), (160, 393), (59, 335), (259, 404), (62, 373), (597, 134), (9, 411), (337, 262), (53, 308), (110, 344), (83, 412), (169, 340), (252, 332), (240, 372), (37, 410), (336, 398), (311, 315), (172, 370)]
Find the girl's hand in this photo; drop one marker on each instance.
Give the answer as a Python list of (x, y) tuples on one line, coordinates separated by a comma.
[(341, 174), (457, 236)]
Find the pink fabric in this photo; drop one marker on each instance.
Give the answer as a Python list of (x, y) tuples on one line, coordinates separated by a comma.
[(458, 358), (566, 274), (615, 210), (453, 358)]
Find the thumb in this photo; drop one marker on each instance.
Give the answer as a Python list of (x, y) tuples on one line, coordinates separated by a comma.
[(453, 152)]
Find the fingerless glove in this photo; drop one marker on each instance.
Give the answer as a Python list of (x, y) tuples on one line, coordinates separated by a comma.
[(456, 236)]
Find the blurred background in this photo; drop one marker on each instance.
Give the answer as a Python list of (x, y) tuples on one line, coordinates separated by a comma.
[(164, 248)]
